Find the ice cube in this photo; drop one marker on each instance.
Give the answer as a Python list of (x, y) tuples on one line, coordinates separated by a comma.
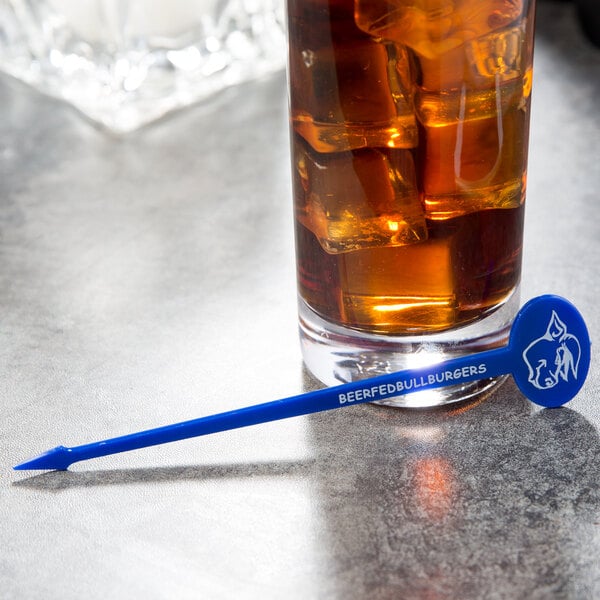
[(475, 122), (498, 53), (441, 108), (399, 289), (434, 27), (480, 63), (348, 90), (358, 199), (472, 164)]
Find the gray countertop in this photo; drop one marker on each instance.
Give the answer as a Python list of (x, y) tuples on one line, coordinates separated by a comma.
[(149, 279)]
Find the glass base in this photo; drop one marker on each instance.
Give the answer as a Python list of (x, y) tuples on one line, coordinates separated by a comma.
[(336, 355), (125, 63)]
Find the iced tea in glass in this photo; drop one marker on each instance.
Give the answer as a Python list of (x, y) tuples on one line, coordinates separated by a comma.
[(409, 133)]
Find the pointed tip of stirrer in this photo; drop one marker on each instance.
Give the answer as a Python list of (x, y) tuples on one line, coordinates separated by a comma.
[(56, 459)]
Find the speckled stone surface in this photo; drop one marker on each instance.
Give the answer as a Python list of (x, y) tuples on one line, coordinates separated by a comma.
[(149, 279)]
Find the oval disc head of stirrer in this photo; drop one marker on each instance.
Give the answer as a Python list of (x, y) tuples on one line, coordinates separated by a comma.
[(550, 346)]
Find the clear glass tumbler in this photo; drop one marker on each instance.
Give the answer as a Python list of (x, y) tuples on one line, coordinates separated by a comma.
[(409, 134), (124, 63)]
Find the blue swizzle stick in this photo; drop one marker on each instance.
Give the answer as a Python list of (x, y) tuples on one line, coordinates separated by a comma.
[(548, 354)]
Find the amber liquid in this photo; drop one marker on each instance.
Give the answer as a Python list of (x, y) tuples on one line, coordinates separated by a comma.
[(409, 124)]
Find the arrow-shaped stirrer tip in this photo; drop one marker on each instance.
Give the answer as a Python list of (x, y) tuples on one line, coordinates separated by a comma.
[(548, 355), (55, 459)]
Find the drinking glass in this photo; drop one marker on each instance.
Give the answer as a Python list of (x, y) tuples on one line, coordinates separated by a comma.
[(409, 134), (124, 63)]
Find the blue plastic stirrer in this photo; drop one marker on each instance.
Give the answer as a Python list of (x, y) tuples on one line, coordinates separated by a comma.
[(548, 355)]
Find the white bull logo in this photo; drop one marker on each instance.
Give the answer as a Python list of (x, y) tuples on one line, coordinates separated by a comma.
[(552, 357)]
